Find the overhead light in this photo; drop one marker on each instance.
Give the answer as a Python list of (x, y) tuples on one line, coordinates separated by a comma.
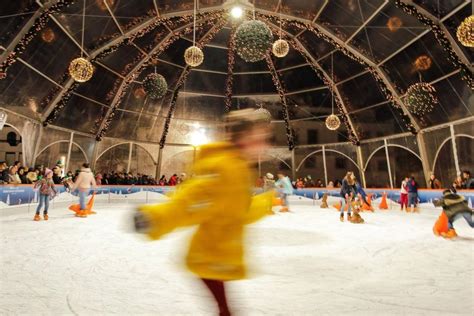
[(236, 12)]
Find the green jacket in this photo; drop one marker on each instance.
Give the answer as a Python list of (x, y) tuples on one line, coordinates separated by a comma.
[(452, 204)]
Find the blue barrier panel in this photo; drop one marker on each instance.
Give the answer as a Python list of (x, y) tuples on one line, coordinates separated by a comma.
[(24, 194)]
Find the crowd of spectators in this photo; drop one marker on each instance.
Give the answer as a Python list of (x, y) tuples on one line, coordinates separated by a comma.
[(18, 174)]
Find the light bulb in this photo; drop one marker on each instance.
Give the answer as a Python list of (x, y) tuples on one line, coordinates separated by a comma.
[(236, 12)]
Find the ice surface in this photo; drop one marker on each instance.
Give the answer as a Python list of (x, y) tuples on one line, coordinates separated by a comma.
[(303, 263)]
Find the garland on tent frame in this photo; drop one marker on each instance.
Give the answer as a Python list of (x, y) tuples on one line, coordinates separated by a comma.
[(383, 87), (133, 76), (201, 43), (39, 24), (61, 104), (351, 134), (280, 87), (466, 73), (230, 71)]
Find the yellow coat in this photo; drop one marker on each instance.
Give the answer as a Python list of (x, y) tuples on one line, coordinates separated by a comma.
[(218, 199)]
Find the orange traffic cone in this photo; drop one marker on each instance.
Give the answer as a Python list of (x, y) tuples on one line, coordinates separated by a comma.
[(441, 225), (368, 207), (77, 208), (383, 205)]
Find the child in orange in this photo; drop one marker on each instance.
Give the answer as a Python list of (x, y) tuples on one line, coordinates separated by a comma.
[(46, 188)]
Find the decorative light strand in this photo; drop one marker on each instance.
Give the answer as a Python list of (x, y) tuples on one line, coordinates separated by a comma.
[(279, 85)]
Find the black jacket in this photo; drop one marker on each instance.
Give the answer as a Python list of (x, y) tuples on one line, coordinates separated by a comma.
[(346, 188), (452, 204)]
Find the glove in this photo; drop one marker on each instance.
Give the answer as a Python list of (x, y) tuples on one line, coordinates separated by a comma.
[(141, 222)]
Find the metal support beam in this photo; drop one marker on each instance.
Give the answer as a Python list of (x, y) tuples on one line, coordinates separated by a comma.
[(95, 153), (454, 43), (356, 53), (373, 15), (28, 25), (420, 140), (360, 162), (387, 157), (158, 163), (329, 78), (325, 167), (293, 165), (455, 149), (68, 158), (138, 66), (130, 151)]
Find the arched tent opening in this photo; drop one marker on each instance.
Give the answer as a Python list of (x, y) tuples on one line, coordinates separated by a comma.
[(58, 151)]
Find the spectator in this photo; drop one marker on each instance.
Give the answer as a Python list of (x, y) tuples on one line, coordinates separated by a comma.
[(467, 180), (269, 182), (182, 178), (4, 176), (31, 176), (434, 183), (162, 181), (98, 179), (57, 177), (330, 185), (173, 180), (13, 175), (22, 175), (299, 183)]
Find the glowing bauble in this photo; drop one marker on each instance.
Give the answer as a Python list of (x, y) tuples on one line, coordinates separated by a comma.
[(465, 32), (280, 48), (333, 122), (193, 56), (81, 70)]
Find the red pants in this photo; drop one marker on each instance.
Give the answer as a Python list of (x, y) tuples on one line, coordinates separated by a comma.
[(404, 200), (218, 291)]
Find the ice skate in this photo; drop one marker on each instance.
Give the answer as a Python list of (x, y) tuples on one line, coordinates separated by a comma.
[(284, 209), (451, 234), (341, 218), (349, 217), (356, 218), (37, 218), (46, 217)]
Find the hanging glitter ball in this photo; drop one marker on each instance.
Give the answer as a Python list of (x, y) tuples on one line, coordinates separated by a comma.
[(252, 40), (280, 48), (421, 98), (333, 122), (193, 56), (155, 86), (81, 70), (465, 32)]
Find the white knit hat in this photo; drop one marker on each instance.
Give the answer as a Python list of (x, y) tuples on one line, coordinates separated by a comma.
[(269, 176)]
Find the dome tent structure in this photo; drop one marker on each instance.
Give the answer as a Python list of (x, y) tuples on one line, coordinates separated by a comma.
[(379, 49)]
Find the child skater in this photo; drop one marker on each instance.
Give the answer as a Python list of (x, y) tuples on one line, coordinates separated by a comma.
[(285, 188), (219, 200), (46, 188), (348, 191)]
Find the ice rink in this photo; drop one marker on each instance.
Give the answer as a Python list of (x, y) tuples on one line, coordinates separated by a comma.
[(303, 263)]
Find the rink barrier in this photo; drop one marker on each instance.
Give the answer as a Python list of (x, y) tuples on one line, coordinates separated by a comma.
[(15, 195)]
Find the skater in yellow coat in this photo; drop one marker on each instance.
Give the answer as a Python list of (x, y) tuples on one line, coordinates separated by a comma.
[(218, 199)]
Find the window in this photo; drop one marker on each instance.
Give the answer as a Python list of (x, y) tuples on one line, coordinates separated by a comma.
[(312, 136), (382, 165), (341, 163), (341, 137), (283, 166), (310, 162)]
